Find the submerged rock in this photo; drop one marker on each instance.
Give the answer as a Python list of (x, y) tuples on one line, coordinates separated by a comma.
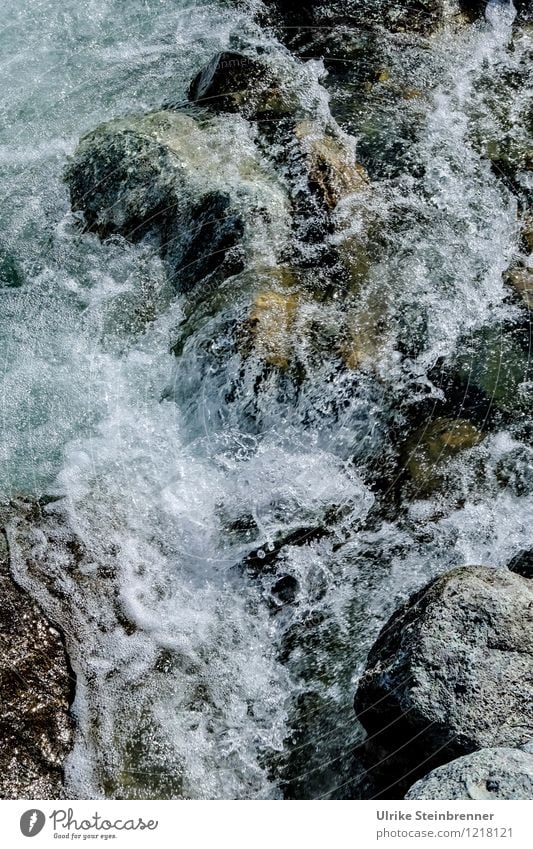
[(496, 362), (521, 279), (302, 20), (432, 445), (36, 689), (10, 272), (489, 774), (452, 670), (418, 16), (272, 319), (333, 171)]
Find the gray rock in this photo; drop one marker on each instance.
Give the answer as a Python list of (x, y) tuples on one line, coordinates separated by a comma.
[(195, 186), (36, 689), (485, 775), (452, 670), (133, 178)]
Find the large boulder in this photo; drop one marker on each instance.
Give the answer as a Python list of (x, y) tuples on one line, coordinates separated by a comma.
[(489, 774), (36, 689), (452, 670), (194, 186), (133, 178)]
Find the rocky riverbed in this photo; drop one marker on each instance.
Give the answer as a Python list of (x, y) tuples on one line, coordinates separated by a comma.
[(268, 401)]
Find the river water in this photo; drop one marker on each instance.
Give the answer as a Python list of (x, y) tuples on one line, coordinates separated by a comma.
[(191, 682)]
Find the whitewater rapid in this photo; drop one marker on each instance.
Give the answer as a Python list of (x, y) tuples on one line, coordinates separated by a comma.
[(156, 485)]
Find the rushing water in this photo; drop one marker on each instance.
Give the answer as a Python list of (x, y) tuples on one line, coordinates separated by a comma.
[(191, 681)]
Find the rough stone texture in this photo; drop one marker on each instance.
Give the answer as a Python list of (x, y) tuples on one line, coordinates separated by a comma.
[(452, 671), (431, 446), (36, 688), (485, 775)]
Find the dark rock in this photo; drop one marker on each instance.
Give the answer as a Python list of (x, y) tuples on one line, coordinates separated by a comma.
[(213, 223), (234, 82), (496, 361), (136, 178), (485, 775), (524, 9), (124, 182), (522, 564), (264, 560), (297, 19), (10, 272), (285, 590), (514, 471), (451, 672), (36, 689)]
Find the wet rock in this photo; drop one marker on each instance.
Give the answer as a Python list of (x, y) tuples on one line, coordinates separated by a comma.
[(192, 187), (285, 590), (522, 564), (36, 689), (364, 335), (521, 279), (489, 774), (10, 272), (452, 671), (432, 445), (496, 361), (234, 82), (514, 471), (527, 233), (524, 9), (272, 320), (301, 20), (333, 172)]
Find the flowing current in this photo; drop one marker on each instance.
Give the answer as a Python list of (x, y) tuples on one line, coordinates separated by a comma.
[(196, 678)]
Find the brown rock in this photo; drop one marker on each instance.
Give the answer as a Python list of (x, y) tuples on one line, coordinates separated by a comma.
[(333, 171), (36, 687)]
